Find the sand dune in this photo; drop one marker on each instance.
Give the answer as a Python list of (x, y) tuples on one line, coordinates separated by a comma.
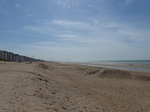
[(55, 87), (112, 73)]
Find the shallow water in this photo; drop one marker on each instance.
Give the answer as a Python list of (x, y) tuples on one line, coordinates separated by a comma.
[(122, 68)]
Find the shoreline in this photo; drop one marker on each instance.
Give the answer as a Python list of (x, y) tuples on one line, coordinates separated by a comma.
[(136, 66), (120, 68)]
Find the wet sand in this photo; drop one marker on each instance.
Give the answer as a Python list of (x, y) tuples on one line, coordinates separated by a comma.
[(122, 65), (55, 87)]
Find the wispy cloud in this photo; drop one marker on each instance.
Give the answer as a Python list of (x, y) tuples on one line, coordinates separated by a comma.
[(17, 5), (69, 36), (41, 29), (99, 37), (76, 28), (92, 33), (45, 43), (136, 35), (127, 2), (91, 6), (75, 24), (61, 29), (22, 33), (112, 25)]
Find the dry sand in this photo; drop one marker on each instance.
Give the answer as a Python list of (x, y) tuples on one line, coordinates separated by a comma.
[(54, 87)]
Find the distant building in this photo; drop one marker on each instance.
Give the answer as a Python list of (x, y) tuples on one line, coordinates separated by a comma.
[(2, 54), (22, 58), (5, 55), (16, 57), (25, 59), (11, 56)]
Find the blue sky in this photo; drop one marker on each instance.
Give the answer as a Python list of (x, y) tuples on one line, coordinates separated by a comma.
[(76, 30)]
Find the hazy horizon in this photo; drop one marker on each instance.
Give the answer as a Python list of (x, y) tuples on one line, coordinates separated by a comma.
[(76, 30)]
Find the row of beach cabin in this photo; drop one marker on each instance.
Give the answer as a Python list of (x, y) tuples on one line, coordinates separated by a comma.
[(15, 57)]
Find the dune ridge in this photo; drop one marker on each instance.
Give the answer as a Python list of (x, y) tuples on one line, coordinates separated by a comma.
[(56, 87), (112, 73)]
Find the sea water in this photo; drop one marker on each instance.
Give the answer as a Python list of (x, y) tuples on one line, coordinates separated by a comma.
[(121, 64)]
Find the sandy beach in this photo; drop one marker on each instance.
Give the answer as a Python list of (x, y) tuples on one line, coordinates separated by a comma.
[(57, 87)]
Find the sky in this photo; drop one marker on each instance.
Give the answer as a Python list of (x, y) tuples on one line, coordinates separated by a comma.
[(76, 30)]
